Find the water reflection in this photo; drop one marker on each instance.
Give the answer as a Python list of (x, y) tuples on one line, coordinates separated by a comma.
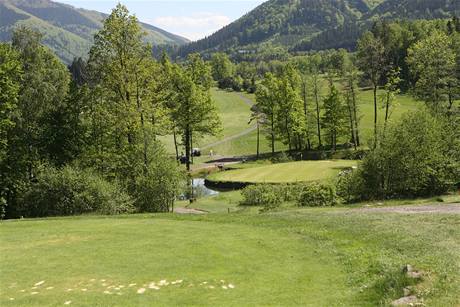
[(200, 189)]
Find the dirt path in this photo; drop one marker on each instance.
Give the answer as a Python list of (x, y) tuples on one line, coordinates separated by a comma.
[(230, 138), (188, 211), (246, 99), (236, 136), (422, 209)]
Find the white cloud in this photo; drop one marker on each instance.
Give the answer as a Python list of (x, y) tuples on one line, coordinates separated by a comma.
[(196, 26), (202, 20)]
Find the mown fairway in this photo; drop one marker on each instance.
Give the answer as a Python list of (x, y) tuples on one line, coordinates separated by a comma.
[(309, 257), (301, 171)]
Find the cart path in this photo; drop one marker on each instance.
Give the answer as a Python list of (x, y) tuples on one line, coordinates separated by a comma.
[(453, 208), (236, 136)]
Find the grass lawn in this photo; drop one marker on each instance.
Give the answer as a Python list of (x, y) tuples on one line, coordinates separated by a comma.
[(110, 261), (300, 171), (309, 257)]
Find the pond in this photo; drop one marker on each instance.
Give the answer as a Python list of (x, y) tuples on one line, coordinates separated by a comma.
[(200, 189)]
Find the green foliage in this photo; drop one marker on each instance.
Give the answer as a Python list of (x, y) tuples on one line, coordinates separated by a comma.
[(334, 118), (70, 191), (432, 61), (417, 157), (318, 195), (156, 190), (10, 76), (267, 195)]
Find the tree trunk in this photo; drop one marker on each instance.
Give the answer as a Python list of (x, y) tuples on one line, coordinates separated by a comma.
[(175, 144), (187, 147), (144, 133), (375, 115), (258, 140), (355, 115), (318, 120), (387, 113), (273, 134), (352, 125)]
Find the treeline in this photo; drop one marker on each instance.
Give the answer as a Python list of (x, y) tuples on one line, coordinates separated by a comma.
[(415, 157), (85, 138)]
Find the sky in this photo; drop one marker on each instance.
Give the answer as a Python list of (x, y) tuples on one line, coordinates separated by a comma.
[(193, 19)]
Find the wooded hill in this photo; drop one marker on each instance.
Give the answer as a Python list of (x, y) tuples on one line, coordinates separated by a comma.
[(302, 25), (68, 31)]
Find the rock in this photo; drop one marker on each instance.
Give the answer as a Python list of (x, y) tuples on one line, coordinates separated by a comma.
[(405, 301), (408, 268), (407, 291)]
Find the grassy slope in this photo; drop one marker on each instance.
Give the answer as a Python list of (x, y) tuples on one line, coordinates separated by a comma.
[(319, 257), (285, 172)]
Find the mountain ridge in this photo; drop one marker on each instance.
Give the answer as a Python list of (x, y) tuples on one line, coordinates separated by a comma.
[(68, 31), (299, 25)]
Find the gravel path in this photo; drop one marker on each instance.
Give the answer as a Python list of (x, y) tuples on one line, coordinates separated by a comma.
[(188, 211), (236, 136), (422, 209)]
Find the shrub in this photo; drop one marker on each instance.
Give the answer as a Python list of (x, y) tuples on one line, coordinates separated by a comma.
[(156, 189), (417, 157), (262, 195), (318, 195), (71, 191)]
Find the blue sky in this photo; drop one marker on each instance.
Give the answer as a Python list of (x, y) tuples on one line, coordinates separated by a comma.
[(193, 19)]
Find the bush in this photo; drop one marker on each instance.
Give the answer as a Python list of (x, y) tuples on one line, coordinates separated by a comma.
[(71, 191), (318, 195), (417, 157), (156, 189), (262, 195)]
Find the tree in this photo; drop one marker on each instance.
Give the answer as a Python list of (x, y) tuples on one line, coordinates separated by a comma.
[(290, 113), (432, 61), (42, 91), (222, 70), (417, 158), (334, 118), (351, 77), (389, 96), (10, 78), (194, 111), (371, 53), (267, 103), (125, 73)]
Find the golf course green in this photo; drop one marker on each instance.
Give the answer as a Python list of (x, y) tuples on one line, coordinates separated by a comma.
[(301, 171)]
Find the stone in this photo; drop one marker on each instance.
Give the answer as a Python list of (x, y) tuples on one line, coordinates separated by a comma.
[(405, 301)]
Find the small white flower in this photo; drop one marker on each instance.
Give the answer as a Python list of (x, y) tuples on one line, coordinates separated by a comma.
[(141, 291), (68, 303)]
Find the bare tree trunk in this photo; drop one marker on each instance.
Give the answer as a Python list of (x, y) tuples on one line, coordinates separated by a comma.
[(355, 115), (375, 114), (318, 119), (175, 144), (187, 147), (258, 139)]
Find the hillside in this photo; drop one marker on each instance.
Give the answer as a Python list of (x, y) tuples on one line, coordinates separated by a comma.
[(302, 25), (68, 31)]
